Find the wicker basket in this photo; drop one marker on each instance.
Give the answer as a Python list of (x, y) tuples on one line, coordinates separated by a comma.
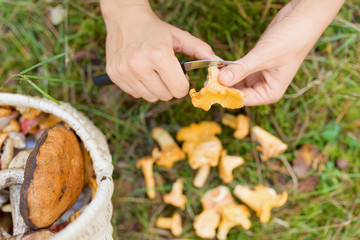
[(94, 222)]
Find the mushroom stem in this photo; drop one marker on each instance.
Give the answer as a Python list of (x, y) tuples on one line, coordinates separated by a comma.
[(173, 223), (146, 164), (19, 225), (201, 176), (13, 178), (10, 177), (163, 138)]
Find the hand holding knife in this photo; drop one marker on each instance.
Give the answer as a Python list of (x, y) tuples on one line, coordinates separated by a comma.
[(103, 80)]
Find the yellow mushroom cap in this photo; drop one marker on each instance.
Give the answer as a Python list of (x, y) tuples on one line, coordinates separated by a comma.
[(197, 131), (233, 215), (271, 146), (170, 151), (216, 198), (240, 123), (262, 199), (227, 165), (214, 92), (206, 222), (176, 196), (206, 152)]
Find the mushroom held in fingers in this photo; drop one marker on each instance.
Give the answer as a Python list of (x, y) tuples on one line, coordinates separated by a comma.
[(214, 92), (58, 159), (206, 222), (146, 164), (233, 215), (173, 223), (271, 146), (262, 199), (227, 165), (216, 198), (240, 123), (176, 196), (170, 151)]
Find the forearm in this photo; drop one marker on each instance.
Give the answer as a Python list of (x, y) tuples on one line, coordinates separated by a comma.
[(316, 14)]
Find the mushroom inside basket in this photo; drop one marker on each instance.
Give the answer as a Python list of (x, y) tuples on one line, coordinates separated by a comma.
[(46, 174)]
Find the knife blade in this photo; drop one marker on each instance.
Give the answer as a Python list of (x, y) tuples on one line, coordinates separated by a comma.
[(103, 80)]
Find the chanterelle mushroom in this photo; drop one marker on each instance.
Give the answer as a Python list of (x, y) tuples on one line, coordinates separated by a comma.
[(233, 215), (146, 164), (214, 92), (206, 222), (240, 123), (176, 196), (271, 146), (262, 199), (227, 165), (53, 177), (204, 155), (216, 198), (197, 131), (170, 151), (173, 223)]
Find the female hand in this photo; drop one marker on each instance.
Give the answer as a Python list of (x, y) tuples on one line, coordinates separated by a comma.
[(267, 70), (140, 48)]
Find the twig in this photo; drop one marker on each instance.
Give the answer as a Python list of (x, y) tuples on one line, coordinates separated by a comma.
[(303, 90), (291, 172)]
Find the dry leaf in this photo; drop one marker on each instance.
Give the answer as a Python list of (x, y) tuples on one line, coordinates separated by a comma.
[(309, 184), (308, 157)]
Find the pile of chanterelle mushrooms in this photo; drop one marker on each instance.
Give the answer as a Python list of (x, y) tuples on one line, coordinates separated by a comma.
[(203, 150), (46, 176)]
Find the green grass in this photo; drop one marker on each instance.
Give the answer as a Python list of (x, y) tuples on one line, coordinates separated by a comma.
[(321, 106)]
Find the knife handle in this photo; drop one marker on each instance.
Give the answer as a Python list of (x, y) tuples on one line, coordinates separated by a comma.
[(103, 80)]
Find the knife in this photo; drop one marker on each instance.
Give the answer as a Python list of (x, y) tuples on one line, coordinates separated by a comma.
[(103, 80)]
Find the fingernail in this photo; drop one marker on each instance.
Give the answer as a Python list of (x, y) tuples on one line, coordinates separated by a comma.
[(226, 76)]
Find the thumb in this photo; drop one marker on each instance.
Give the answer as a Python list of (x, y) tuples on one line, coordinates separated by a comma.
[(187, 44), (234, 73)]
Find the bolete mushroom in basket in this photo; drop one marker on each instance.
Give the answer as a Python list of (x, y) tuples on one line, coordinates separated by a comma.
[(206, 222), (227, 165), (214, 92), (233, 215), (173, 223), (53, 177), (240, 123), (176, 196), (271, 146), (262, 199), (146, 164), (170, 151)]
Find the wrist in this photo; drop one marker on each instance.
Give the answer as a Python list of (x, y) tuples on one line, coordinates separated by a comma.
[(119, 9)]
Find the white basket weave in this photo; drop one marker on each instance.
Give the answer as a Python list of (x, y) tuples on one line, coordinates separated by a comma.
[(94, 222)]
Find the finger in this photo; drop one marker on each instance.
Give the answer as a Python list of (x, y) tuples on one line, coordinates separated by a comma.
[(153, 83), (234, 73), (192, 46), (256, 97), (143, 91), (167, 66)]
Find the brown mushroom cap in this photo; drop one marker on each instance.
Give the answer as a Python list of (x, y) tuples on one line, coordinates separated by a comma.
[(53, 177)]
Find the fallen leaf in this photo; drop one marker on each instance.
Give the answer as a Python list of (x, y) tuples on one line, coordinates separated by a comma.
[(308, 157), (309, 184), (342, 164)]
